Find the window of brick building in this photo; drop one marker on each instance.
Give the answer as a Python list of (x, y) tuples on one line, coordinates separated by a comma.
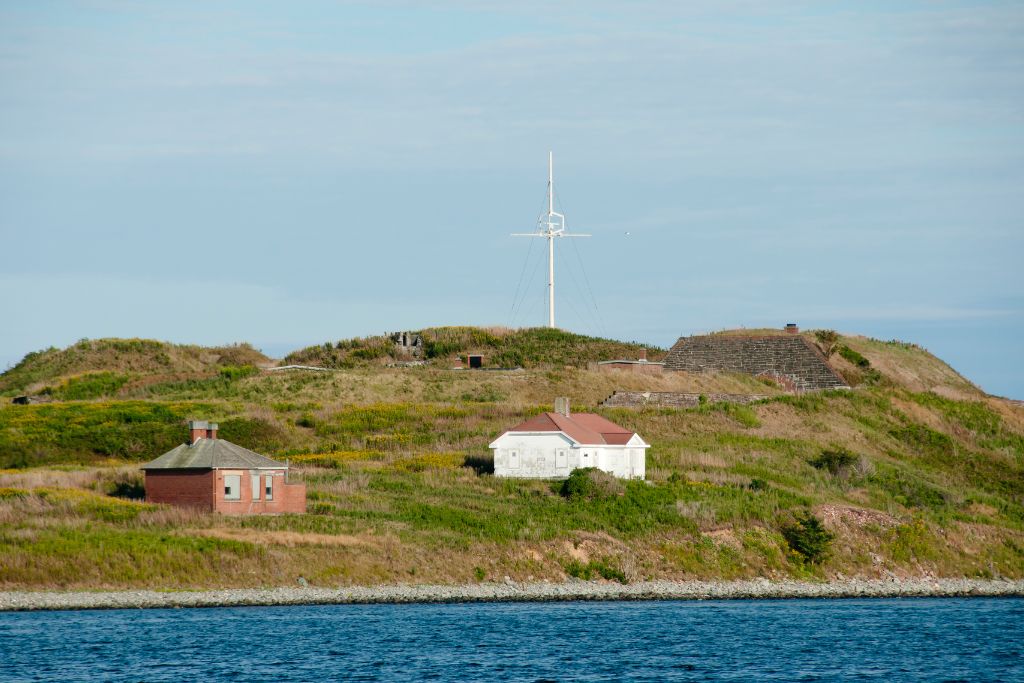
[(232, 486)]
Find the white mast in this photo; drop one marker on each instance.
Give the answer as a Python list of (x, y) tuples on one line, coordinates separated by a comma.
[(549, 227)]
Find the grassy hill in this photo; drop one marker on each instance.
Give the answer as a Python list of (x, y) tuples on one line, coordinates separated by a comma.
[(914, 472), (94, 368), (527, 347)]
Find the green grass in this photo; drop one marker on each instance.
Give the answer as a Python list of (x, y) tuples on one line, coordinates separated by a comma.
[(396, 464), (130, 430), (529, 347)]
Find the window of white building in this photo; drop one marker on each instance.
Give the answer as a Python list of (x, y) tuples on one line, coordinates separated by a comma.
[(561, 458)]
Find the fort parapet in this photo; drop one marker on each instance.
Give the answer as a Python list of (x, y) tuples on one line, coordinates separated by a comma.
[(674, 399), (789, 359)]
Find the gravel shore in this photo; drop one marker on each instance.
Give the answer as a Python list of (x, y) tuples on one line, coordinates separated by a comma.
[(510, 591)]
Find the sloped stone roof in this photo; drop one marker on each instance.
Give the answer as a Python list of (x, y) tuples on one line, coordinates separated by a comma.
[(211, 454), (788, 356)]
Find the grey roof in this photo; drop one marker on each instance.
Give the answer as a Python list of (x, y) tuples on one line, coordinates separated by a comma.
[(210, 454)]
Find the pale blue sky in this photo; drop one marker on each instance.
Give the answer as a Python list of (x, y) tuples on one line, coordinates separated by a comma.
[(288, 173)]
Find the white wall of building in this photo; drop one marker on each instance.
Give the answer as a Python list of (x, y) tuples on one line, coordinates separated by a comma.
[(553, 455)]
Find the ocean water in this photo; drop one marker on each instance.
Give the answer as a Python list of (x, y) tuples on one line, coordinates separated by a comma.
[(750, 640)]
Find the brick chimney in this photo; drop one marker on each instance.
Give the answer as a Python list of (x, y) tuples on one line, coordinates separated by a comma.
[(792, 328), (198, 429), (562, 405), (643, 355), (211, 430)]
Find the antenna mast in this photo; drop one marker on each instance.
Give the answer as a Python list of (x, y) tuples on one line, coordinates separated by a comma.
[(550, 226)]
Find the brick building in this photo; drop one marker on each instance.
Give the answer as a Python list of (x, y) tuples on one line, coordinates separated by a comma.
[(217, 475)]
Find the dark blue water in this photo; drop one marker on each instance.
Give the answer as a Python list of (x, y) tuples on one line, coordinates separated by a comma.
[(795, 640)]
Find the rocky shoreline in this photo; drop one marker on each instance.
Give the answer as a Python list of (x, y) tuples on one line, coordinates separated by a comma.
[(510, 591)]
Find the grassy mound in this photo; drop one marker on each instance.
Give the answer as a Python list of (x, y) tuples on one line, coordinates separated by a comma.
[(502, 347), (101, 367)]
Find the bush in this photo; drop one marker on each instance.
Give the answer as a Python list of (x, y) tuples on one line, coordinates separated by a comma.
[(130, 485), (828, 341), (236, 372), (595, 568), (590, 483), (807, 536), (839, 462), (854, 357)]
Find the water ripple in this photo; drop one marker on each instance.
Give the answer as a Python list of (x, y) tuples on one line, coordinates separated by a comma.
[(795, 640)]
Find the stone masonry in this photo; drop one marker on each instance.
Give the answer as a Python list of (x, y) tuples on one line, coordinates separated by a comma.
[(789, 358), (673, 399)]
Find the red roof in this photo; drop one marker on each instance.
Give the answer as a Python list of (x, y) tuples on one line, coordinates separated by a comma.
[(584, 428)]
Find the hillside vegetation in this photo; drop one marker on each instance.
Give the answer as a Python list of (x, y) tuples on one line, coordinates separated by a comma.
[(502, 347), (913, 472), (93, 368)]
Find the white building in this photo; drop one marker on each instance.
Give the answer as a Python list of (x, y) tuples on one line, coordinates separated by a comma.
[(551, 445)]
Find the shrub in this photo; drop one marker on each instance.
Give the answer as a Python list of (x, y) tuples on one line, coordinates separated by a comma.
[(235, 372), (854, 357), (828, 341), (121, 484), (594, 568), (808, 537), (590, 483), (838, 461)]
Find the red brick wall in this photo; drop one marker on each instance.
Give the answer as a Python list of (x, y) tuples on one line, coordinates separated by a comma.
[(287, 497), (205, 489), (180, 487)]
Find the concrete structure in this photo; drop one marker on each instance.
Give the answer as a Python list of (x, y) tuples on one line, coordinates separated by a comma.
[(552, 445), (789, 359), (641, 364), (219, 476)]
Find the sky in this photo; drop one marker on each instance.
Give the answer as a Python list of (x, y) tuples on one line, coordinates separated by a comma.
[(291, 173)]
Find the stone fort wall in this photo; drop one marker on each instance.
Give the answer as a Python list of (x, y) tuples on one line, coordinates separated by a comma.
[(673, 399), (790, 358)]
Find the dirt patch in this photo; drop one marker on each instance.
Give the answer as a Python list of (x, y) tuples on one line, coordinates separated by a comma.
[(835, 516), (289, 539), (726, 537)]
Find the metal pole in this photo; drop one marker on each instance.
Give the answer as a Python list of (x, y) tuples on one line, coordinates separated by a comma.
[(551, 240), (551, 184), (551, 280)]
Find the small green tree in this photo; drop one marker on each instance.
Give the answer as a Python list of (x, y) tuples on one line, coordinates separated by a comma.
[(828, 341), (809, 537)]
